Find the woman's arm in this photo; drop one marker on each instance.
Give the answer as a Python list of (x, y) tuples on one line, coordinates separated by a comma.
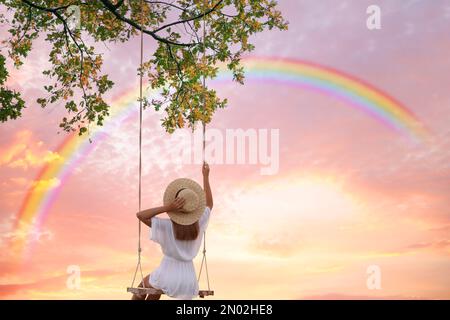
[(206, 186), (146, 215)]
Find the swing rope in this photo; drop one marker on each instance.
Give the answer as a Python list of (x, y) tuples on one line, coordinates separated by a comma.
[(204, 261), (139, 265), (132, 289)]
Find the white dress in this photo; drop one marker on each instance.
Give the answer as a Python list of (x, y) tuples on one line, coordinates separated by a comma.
[(175, 275)]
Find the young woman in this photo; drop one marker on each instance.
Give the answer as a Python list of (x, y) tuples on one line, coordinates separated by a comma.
[(180, 237)]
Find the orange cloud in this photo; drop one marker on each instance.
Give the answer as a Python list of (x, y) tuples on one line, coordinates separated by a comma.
[(25, 152), (282, 244), (20, 181), (93, 283), (16, 147), (342, 296), (30, 159), (437, 246), (441, 246), (46, 184), (325, 269)]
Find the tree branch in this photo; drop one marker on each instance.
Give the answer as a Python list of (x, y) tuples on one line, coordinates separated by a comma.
[(118, 4), (179, 73), (66, 31), (190, 19), (52, 10), (167, 4), (111, 8), (25, 29)]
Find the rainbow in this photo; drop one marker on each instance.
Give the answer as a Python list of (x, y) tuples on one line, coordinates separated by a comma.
[(296, 73), (331, 82), (50, 179)]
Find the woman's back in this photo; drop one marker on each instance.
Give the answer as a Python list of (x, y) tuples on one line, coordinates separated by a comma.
[(176, 273)]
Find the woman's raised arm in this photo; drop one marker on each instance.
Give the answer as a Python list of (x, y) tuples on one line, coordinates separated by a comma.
[(146, 215), (206, 186)]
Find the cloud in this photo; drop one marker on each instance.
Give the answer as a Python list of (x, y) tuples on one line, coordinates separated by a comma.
[(330, 268), (40, 185), (13, 235), (444, 229), (16, 147), (46, 184), (8, 154), (436, 246), (282, 245), (25, 152), (31, 159), (343, 296), (20, 181), (55, 286), (9, 240), (442, 245)]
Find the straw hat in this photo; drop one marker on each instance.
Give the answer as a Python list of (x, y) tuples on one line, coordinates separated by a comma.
[(195, 200)]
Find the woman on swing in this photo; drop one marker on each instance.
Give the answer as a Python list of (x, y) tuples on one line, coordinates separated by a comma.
[(180, 237)]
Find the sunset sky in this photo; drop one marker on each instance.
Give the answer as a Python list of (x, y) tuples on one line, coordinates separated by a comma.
[(350, 192)]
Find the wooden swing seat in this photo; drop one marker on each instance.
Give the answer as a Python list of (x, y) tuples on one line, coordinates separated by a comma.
[(142, 291)]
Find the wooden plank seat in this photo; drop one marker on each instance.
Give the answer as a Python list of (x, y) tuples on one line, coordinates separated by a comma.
[(205, 293)]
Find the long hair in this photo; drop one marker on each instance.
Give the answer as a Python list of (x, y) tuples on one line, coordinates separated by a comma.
[(186, 232)]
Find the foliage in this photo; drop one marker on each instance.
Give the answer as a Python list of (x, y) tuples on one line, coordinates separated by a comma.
[(183, 58), (11, 104)]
